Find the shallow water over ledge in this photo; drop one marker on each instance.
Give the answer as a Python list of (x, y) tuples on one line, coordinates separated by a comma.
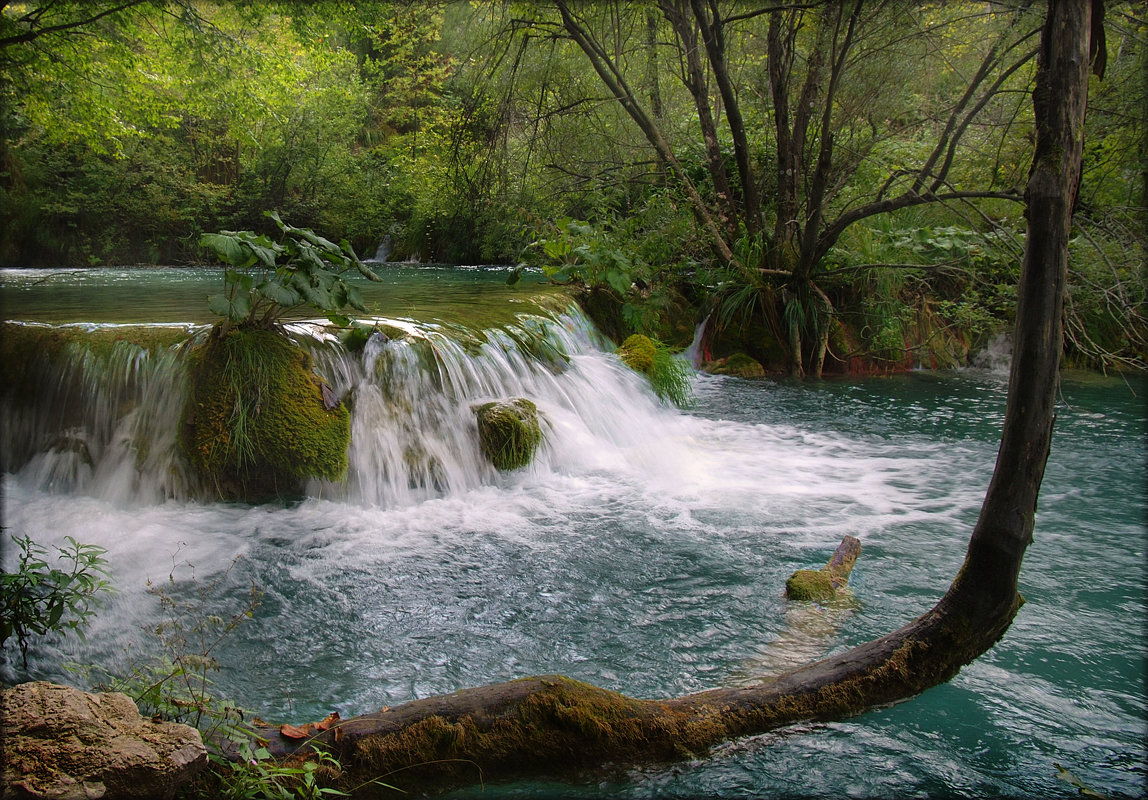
[(646, 551)]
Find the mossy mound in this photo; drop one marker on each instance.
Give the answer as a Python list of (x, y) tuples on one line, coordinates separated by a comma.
[(669, 376), (739, 365), (508, 432), (810, 584), (638, 353), (256, 424)]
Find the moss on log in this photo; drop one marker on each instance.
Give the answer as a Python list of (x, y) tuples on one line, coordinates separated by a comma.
[(822, 584)]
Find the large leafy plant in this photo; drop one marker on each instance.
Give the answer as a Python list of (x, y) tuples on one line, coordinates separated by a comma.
[(577, 250), (266, 279)]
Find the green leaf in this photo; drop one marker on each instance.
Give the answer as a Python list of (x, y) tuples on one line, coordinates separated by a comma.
[(366, 272), (355, 298), (619, 280), (228, 248), (236, 309), (278, 293)]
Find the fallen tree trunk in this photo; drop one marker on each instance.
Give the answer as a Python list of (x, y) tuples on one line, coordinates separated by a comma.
[(552, 723)]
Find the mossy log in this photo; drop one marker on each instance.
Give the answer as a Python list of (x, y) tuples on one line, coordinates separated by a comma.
[(822, 584)]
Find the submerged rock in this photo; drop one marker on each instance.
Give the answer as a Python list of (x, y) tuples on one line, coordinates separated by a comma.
[(508, 432), (60, 742), (258, 421), (739, 365)]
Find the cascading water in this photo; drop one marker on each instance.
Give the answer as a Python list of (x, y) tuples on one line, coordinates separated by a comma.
[(105, 427), (109, 427), (644, 550)]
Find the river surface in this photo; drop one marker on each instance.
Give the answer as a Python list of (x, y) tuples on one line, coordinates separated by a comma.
[(645, 550)]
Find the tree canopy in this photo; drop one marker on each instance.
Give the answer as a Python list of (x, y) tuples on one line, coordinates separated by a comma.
[(829, 181)]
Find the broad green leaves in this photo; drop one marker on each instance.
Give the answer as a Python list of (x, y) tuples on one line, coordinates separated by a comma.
[(304, 269)]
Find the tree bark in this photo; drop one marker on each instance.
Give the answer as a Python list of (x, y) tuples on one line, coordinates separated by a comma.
[(530, 725), (607, 70)]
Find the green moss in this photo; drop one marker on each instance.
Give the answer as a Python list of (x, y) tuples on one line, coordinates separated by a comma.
[(739, 365), (638, 353), (810, 584), (669, 376), (508, 432), (562, 724), (256, 425)]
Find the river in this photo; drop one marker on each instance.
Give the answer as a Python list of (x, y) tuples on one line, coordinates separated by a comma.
[(645, 550)]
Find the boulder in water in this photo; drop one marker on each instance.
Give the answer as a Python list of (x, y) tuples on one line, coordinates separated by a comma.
[(60, 742), (508, 432), (739, 365)]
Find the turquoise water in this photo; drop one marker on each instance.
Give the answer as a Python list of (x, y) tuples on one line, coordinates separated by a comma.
[(179, 294), (646, 551)]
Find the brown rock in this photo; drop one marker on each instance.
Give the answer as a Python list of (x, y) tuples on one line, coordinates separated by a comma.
[(66, 744)]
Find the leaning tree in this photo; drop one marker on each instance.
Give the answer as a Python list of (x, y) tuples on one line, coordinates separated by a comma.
[(549, 723)]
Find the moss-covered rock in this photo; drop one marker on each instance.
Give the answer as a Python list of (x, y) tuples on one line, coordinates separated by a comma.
[(509, 432), (739, 365), (810, 584), (638, 353), (256, 424)]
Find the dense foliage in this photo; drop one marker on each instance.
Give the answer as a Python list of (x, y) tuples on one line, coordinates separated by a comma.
[(833, 181)]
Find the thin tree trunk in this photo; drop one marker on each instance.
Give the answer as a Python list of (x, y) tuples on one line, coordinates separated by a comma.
[(713, 35), (695, 81), (614, 81), (552, 723)]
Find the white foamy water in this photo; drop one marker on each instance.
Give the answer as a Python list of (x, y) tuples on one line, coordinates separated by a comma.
[(644, 550)]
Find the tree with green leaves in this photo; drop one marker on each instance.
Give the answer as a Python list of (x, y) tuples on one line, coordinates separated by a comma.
[(775, 207)]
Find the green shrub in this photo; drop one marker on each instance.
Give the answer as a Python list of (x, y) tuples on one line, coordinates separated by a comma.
[(304, 269), (37, 599)]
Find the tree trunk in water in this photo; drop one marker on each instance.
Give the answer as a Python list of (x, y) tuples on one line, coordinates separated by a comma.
[(552, 723)]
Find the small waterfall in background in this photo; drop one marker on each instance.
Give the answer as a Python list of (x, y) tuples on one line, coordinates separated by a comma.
[(996, 356), (383, 252), (109, 427)]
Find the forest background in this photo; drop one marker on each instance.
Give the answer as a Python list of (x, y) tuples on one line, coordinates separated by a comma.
[(838, 186)]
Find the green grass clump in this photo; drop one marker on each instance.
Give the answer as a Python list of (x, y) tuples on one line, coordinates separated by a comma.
[(669, 376)]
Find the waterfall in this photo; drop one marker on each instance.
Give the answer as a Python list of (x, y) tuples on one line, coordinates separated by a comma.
[(996, 355), (382, 252), (108, 426)]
